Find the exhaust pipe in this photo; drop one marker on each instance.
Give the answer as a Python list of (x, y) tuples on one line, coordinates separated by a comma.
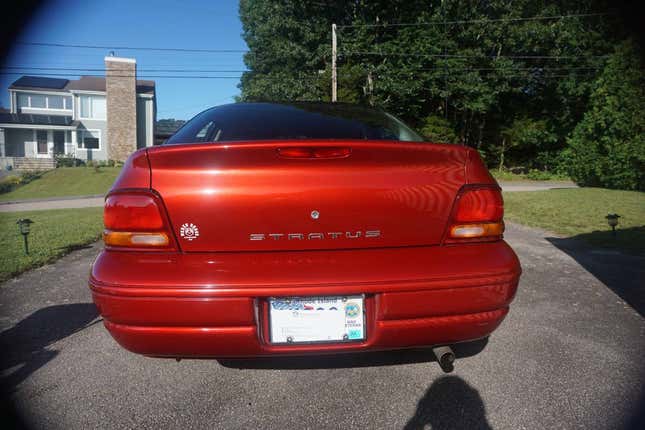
[(445, 357)]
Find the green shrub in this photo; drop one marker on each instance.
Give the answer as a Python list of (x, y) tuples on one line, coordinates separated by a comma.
[(539, 175), (607, 148), (9, 183), (27, 177), (438, 129), (63, 160)]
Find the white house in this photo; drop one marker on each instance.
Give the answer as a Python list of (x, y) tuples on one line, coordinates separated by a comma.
[(91, 118)]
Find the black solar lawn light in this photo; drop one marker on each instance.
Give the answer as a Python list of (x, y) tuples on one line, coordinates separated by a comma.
[(25, 226), (612, 220)]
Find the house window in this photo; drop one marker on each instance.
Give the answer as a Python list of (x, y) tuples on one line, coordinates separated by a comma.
[(55, 102), (93, 107), (44, 101), (41, 141), (89, 139), (23, 100), (38, 101)]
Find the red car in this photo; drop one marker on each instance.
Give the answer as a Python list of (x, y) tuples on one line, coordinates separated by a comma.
[(303, 228)]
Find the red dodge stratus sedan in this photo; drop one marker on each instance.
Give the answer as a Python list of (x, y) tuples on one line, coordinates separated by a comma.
[(301, 228)]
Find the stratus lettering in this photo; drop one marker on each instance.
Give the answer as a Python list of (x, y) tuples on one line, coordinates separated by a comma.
[(356, 234)]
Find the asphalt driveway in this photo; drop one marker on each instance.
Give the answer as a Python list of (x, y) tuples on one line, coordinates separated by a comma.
[(569, 355)]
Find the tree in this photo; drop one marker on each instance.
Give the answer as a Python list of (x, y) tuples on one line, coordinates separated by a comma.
[(478, 66), (438, 129), (607, 147)]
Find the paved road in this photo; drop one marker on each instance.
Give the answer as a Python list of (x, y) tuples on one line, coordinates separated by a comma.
[(510, 186), (52, 203), (569, 355)]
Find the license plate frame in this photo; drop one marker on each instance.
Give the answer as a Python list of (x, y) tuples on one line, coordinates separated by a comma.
[(355, 326)]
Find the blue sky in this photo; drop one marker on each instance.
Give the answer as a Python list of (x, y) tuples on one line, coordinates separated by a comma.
[(163, 23)]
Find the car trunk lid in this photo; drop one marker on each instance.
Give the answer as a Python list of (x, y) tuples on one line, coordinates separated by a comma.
[(302, 195)]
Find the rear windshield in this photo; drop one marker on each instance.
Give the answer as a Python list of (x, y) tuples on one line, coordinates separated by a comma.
[(297, 121)]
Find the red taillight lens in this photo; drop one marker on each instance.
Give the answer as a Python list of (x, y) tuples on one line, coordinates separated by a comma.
[(132, 212), (135, 220), (478, 215), (478, 205)]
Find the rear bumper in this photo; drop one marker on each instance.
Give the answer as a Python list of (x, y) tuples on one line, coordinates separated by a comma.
[(214, 305)]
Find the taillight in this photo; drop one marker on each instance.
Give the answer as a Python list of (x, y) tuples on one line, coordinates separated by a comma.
[(135, 220), (477, 215)]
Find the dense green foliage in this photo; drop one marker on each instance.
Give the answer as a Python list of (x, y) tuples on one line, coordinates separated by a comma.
[(471, 72), (608, 145)]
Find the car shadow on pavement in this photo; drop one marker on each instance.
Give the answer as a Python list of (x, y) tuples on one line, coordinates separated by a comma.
[(449, 403), (25, 346), (622, 273), (348, 360)]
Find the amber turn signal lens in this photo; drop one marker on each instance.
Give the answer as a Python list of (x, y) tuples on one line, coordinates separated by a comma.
[(467, 231), (135, 240)]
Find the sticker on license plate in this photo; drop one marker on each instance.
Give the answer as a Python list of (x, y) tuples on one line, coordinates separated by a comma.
[(316, 319)]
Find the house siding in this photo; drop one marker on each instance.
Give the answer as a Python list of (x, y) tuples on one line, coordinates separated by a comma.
[(92, 154)]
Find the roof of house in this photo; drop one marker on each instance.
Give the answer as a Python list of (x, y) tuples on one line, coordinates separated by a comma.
[(85, 83), (23, 118), (40, 83), (166, 128)]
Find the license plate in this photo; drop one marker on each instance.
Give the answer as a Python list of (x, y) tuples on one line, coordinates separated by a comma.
[(317, 319)]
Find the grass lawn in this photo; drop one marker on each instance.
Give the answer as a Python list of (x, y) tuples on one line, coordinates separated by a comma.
[(53, 234), (66, 181), (580, 213)]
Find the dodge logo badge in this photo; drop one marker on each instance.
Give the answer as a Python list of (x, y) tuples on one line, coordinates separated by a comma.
[(189, 231)]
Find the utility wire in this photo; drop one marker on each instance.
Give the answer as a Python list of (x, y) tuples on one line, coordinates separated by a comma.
[(160, 76), (20, 69), (497, 69), (519, 57), (475, 21), (130, 48), (102, 69), (132, 76)]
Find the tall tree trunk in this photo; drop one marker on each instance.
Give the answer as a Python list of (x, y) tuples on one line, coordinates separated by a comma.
[(480, 135), (501, 155)]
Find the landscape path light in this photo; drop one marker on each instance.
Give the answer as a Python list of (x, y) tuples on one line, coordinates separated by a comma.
[(25, 226), (612, 220)]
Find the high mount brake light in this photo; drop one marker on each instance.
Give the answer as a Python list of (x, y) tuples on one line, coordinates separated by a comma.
[(477, 216), (135, 220), (314, 152)]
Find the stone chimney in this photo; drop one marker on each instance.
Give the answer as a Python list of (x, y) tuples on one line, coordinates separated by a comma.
[(121, 100)]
